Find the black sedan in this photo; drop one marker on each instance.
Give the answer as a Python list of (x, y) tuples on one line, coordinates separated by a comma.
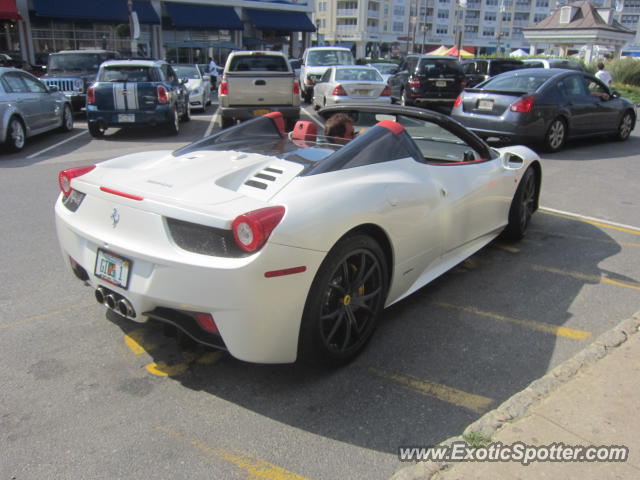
[(545, 106)]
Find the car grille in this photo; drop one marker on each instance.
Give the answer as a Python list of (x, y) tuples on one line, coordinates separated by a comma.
[(63, 84), (204, 240)]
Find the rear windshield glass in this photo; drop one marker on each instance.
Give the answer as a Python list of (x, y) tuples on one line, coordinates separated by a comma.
[(517, 83), (118, 73), (78, 62), (187, 71), (385, 67), (258, 63), (434, 66), (358, 74), (329, 57), (501, 67)]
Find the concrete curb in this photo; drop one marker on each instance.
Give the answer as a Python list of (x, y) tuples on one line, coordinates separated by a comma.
[(516, 406)]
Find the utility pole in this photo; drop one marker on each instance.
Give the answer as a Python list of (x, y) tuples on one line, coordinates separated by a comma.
[(499, 32), (462, 4)]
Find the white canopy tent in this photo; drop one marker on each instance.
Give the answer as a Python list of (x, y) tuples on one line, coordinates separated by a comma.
[(518, 53)]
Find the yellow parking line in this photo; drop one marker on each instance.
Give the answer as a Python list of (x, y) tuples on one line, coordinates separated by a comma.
[(470, 401), (161, 369), (592, 221), (531, 324), (46, 315), (506, 248), (590, 239), (587, 277), (254, 467), (137, 342)]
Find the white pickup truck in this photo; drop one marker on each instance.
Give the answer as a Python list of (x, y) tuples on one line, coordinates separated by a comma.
[(255, 83)]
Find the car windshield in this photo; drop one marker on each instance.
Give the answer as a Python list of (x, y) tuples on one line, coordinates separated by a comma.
[(385, 68), (329, 57), (187, 71), (358, 74), (435, 66), (133, 73), (496, 68), (75, 61), (520, 82), (258, 63)]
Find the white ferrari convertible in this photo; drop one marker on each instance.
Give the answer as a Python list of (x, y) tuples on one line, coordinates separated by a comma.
[(277, 246)]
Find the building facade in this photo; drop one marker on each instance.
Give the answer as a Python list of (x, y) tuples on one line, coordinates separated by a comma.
[(390, 27), (178, 30)]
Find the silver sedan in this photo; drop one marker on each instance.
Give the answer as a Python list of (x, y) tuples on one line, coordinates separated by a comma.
[(351, 84), (199, 87), (28, 107)]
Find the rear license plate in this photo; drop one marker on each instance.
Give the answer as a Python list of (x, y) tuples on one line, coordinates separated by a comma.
[(485, 105), (362, 93), (126, 118), (441, 83), (113, 268), (260, 111)]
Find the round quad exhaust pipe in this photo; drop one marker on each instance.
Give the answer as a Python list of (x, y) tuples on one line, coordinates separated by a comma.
[(111, 301), (101, 295), (125, 308)]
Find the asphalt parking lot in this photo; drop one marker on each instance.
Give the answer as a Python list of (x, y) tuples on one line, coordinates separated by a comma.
[(87, 394)]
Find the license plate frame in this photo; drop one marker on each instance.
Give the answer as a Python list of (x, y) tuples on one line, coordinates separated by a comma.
[(485, 104), (126, 118), (113, 268), (258, 112)]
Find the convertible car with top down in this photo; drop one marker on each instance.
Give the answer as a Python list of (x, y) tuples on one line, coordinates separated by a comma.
[(281, 246)]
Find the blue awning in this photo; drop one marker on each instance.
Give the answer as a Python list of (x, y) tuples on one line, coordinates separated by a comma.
[(115, 11), (184, 15), (281, 20)]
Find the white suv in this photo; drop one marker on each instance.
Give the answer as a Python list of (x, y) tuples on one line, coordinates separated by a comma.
[(316, 61)]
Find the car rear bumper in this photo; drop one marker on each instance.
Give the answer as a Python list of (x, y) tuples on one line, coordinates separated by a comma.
[(505, 127), (258, 318), (341, 100), (160, 115), (250, 111)]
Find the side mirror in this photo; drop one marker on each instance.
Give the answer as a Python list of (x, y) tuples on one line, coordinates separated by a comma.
[(184, 80), (615, 94), (53, 88)]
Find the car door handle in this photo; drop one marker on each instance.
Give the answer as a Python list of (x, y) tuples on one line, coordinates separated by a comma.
[(259, 82)]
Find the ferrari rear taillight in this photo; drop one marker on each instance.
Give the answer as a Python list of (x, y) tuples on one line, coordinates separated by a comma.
[(91, 96), (458, 101), (414, 82), (524, 105), (339, 92), (65, 177), (163, 96), (296, 87), (251, 230), (386, 92), (224, 86)]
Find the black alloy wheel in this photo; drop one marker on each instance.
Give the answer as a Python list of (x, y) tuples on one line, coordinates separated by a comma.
[(345, 302), (174, 123), (522, 206)]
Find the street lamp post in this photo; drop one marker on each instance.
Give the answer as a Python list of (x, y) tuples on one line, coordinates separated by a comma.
[(462, 4)]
